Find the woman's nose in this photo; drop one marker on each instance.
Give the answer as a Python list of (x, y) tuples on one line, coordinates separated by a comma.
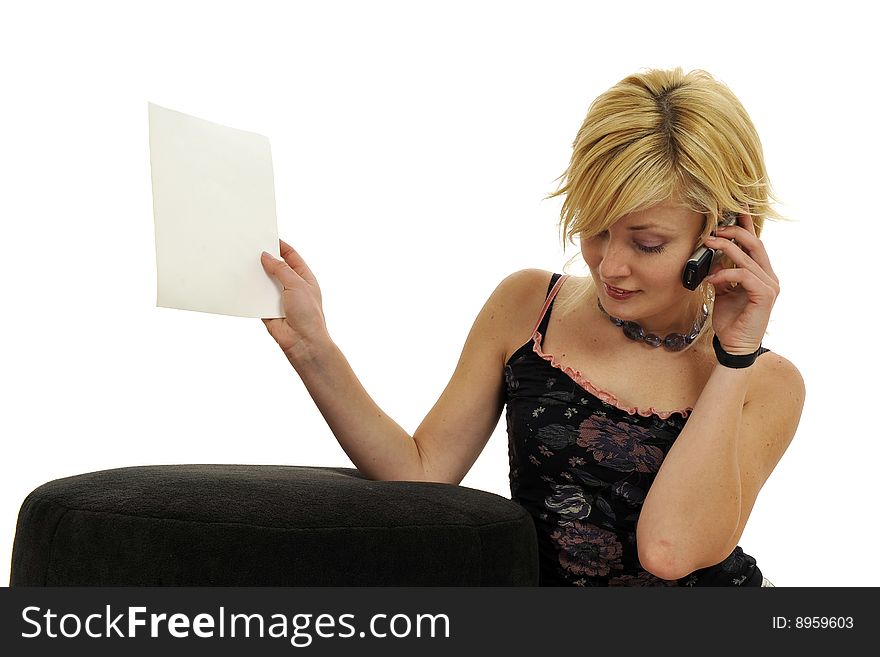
[(615, 263)]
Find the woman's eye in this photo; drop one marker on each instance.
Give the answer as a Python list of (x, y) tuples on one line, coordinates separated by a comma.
[(641, 247), (649, 249)]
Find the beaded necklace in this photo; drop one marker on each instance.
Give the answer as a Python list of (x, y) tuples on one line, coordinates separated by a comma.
[(672, 342)]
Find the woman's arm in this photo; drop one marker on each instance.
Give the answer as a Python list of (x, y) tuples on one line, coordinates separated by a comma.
[(697, 507), (742, 423), (375, 443), (450, 438)]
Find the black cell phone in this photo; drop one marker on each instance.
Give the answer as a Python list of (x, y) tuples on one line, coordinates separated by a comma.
[(700, 263)]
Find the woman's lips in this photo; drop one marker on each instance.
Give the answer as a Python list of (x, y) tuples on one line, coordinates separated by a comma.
[(617, 293)]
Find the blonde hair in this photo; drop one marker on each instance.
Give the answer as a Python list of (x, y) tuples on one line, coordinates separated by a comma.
[(663, 135)]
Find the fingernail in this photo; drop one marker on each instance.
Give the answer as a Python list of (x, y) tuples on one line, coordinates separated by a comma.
[(265, 253)]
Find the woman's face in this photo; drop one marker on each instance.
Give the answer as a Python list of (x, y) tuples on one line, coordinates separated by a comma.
[(637, 266)]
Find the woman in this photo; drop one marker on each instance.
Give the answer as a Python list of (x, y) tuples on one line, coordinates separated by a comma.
[(643, 416)]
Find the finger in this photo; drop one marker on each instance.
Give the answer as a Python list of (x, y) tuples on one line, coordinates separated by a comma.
[(271, 321), (296, 262), (742, 226), (751, 244), (280, 270), (745, 220), (738, 257), (757, 289)]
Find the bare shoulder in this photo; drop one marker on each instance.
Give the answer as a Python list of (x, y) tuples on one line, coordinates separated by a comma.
[(522, 293), (519, 299), (775, 372), (777, 388), (525, 281)]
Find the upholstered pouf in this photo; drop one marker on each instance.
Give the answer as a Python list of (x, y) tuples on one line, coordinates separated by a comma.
[(247, 525)]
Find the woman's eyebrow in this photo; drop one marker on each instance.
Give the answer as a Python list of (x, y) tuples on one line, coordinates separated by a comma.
[(649, 226)]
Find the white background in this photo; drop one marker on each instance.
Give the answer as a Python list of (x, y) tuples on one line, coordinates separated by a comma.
[(413, 143)]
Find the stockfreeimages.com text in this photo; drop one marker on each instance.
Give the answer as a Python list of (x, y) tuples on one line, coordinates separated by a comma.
[(135, 621)]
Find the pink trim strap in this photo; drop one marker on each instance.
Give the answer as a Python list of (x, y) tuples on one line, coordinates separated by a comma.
[(548, 301)]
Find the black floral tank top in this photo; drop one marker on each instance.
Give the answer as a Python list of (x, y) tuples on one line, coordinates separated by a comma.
[(581, 464)]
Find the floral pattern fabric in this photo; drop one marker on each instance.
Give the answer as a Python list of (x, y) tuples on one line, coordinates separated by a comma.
[(582, 465)]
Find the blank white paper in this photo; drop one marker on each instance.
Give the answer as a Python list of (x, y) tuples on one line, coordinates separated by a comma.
[(214, 213)]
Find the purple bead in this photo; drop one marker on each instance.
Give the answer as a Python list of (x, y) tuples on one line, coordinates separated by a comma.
[(675, 342), (633, 331), (653, 340)]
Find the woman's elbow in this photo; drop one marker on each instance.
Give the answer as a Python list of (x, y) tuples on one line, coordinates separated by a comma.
[(662, 560)]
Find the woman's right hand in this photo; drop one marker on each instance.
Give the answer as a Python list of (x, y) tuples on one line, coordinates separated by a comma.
[(301, 299)]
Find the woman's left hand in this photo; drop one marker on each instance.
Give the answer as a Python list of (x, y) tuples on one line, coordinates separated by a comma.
[(744, 296)]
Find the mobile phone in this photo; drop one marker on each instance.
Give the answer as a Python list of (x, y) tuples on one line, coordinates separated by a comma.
[(700, 263)]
